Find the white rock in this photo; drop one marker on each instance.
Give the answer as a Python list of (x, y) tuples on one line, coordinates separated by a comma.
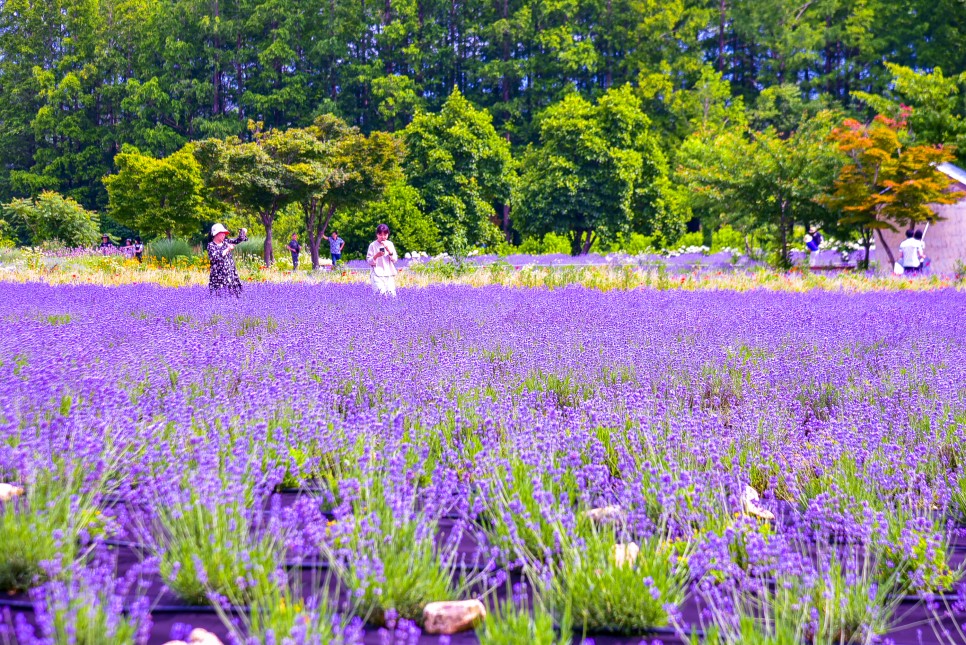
[(452, 616), (751, 507), (199, 636), (612, 514), (9, 491), (625, 554)]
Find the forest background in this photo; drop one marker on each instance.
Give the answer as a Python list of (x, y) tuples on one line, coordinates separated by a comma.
[(592, 124)]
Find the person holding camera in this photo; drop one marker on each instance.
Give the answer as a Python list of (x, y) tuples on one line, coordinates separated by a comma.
[(382, 258), (224, 275)]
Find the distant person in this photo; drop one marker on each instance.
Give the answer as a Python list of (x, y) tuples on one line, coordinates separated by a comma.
[(138, 249), (295, 248), (128, 248), (918, 236), (106, 247), (224, 276), (911, 253), (382, 258), (813, 242), (336, 245)]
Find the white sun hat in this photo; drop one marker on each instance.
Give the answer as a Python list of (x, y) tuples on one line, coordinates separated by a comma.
[(218, 228)]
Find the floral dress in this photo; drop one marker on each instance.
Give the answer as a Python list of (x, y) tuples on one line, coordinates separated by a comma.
[(224, 277)]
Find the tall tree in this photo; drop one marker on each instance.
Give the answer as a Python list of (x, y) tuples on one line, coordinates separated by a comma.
[(462, 169), (597, 173), (157, 196), (356, 170), (259, 177)]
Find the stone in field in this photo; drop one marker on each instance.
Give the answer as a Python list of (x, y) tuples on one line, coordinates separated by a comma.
[(612, 514), (625, 554), (452, 616), (9, 491), (199, 636), (749, 504)]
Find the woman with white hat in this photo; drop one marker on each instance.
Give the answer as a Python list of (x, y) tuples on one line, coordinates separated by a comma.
[(224, 276)]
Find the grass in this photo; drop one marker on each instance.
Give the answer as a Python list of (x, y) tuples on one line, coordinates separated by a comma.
[(209, 551), (40, 532), (603, 594)]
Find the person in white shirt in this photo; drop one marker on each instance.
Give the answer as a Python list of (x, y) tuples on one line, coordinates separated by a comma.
[(382, 258), (911, 253)]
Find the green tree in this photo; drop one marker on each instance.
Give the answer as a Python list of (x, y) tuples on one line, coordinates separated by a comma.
[(157, 196), (884, 183), (357, 170), (597, 173), (763, 182), (50, 216), (262, 176), (937, 115), (462, 169), (401, 209)]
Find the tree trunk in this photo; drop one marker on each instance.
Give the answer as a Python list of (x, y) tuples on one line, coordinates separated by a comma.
[(268, 221), (783, 227), (867, 247), (315, 227), (892, 258), (722, 13), (588, 242)]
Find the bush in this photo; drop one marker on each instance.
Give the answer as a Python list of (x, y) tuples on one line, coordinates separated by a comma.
[(53, 217), (169, 250), (550, 243), (254, 245)]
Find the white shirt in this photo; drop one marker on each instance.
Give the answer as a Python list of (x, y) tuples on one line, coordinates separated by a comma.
[(382, 266), (912, 251)]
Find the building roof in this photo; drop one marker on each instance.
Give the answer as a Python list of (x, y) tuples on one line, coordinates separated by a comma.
[(953, 171)]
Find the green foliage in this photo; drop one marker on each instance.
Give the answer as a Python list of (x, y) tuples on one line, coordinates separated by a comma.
[(461, 168), (51, 217), (210, 546), (937, 115), (39, 534), (401, 209), (356, 171), (157, 196), (598, 173), (606, 594), (763, 181), (512, 623), (548, 244)]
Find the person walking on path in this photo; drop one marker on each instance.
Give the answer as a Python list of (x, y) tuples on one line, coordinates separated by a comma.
[(224, 275), (382, 258), (295, 248), (336, 244)]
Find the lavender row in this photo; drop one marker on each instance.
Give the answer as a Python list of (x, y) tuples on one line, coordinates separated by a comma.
[(593, 451)]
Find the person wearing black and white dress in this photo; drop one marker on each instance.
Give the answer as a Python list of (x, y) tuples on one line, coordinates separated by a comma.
[(224, 276)]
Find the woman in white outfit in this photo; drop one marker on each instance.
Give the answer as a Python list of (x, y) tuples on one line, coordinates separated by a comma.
[(382, 258)]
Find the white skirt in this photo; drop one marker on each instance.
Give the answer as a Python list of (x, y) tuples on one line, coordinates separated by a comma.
[(384, 285)]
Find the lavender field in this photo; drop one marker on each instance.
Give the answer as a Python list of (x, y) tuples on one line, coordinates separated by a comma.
[(308, 464)]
